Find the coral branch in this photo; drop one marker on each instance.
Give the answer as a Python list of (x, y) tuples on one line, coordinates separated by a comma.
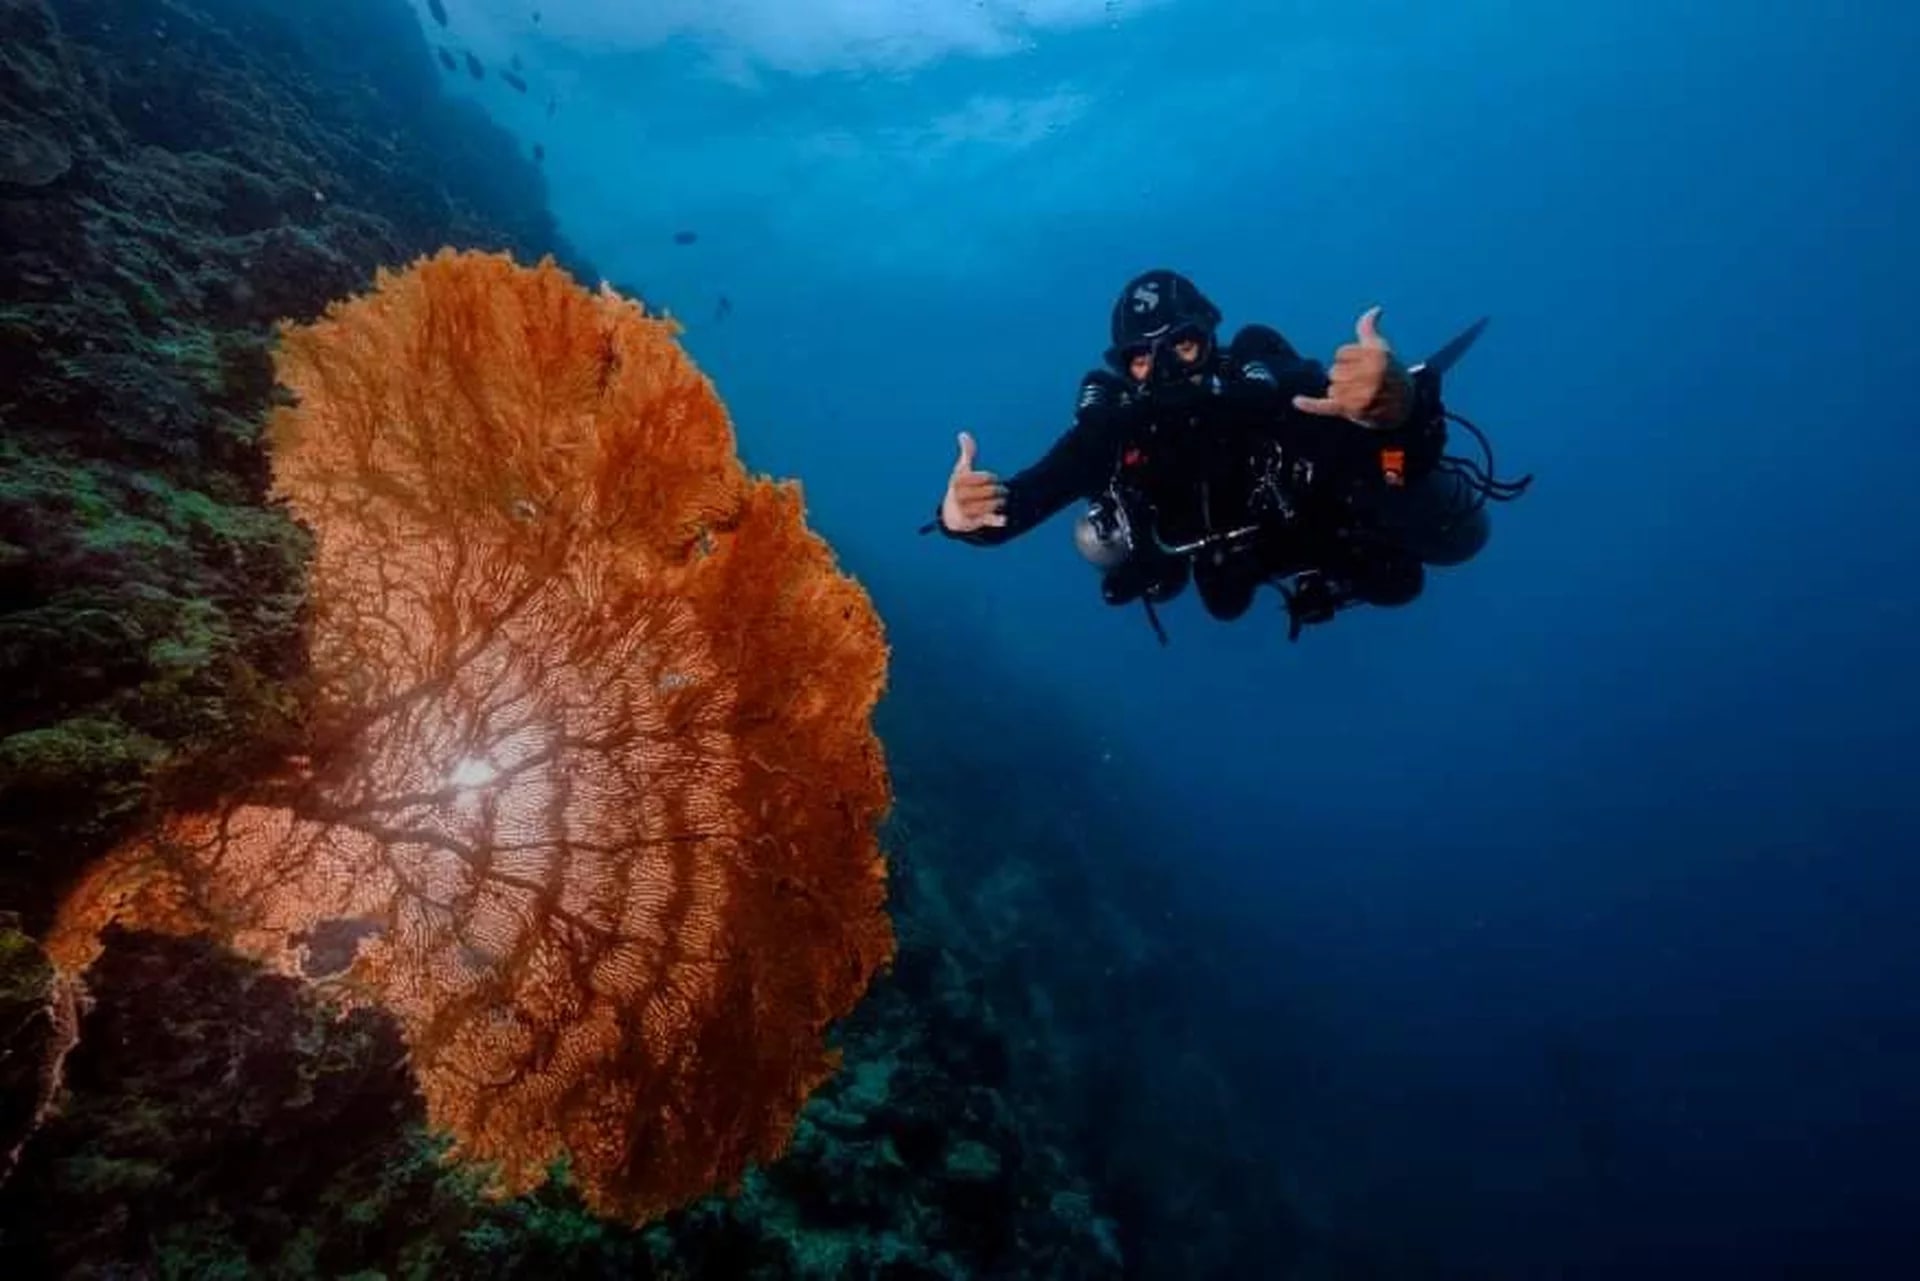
[(593, 780)]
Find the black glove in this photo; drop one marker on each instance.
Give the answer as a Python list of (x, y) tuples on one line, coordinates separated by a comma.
[(1312, 599)]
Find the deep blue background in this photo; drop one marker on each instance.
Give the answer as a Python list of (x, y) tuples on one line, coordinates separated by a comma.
[(1599, 860)]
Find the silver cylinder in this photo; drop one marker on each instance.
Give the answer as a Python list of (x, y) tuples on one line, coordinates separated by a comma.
[(1102, 535)]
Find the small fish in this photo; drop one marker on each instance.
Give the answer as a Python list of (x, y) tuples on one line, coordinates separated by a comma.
[(438, 10), (553, 103), (519, 85), (724, 309), (474, 67), (685, 237), (446, 60), (539, 153), (536, 15)]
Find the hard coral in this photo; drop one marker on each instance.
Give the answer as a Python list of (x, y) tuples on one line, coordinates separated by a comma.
[(592, 780)]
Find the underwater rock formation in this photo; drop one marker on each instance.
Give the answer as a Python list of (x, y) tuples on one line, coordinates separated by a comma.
[(174, 179), (591, 769), (321, 1164)]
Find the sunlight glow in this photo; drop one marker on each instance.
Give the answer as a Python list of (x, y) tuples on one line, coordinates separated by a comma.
[(472, 772), (781, 36)]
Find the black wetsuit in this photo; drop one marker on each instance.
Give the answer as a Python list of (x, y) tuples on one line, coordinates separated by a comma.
[(1230, 453)]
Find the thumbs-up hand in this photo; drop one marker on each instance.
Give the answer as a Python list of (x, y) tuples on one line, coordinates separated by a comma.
[(1368, 384), (974, 498)]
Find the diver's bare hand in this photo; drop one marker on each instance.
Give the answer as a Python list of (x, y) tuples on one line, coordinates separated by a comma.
[(974, 498), (1368, 384)]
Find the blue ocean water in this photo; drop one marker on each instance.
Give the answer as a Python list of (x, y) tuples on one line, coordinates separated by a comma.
[(1596, 864)]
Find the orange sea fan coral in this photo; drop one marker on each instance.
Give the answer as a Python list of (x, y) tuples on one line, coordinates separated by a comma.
[(593, 788)]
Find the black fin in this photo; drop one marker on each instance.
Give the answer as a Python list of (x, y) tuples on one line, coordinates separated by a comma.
[(1449, 356)]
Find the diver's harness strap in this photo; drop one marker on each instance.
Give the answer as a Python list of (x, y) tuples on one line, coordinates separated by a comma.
[(1153, 619)]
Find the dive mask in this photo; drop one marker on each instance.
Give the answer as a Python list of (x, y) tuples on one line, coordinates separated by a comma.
[(1167, 365)]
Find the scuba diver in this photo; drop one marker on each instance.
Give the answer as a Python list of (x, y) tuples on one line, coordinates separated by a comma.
[(1240, 465)]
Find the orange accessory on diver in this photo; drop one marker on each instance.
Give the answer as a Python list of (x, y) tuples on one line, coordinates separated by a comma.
[(1393, 466)]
